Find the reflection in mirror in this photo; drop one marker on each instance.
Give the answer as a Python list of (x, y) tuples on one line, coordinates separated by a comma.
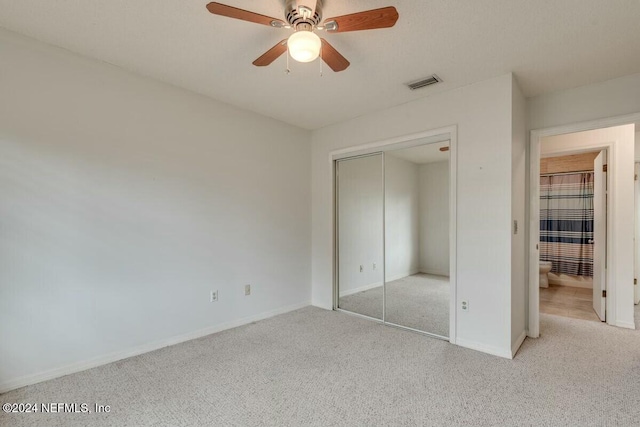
[(359, 187), (417, 237)]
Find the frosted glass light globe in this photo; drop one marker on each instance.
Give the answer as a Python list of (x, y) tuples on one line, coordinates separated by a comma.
[(304, 46)]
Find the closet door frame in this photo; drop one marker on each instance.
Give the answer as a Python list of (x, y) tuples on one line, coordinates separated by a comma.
[(400, 142)]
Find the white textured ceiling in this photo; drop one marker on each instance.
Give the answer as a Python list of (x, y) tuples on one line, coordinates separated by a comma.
[(548, 44)]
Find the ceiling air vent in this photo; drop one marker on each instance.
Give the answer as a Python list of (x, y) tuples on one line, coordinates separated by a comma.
[(431, 80)]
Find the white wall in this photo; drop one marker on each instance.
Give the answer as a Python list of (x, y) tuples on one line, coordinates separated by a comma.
[(124, 201), (622, 215), (637, 146), (434, 218), (607, 99), (360, 209), (482, 113), (402, 247), (519, 193)]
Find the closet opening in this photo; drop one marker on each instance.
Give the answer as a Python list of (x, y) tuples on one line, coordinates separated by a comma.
[(394, 233)]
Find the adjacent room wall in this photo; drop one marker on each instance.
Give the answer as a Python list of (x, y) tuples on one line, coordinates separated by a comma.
[(482, 113), (124, 201), (434, 218), (401, 218)]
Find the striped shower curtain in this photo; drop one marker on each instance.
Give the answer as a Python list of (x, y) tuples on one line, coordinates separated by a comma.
[(566, 223)]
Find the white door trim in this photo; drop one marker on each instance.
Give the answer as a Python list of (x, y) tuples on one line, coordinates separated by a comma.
[(406, 141), (534, 210)]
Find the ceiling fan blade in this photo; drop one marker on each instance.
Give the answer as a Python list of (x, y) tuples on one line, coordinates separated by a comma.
[(369, 20), (333, 58), (245, 15), (272, 54)]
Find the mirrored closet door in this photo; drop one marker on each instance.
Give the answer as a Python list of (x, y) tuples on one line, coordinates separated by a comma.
[(393, 235), (360, 227), (417, 238)]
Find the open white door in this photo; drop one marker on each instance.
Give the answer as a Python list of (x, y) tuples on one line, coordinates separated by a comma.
[(636, 296), (599, 234)]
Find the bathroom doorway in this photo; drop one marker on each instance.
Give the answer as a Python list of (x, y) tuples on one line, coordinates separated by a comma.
[(612, 268), (572, 233)]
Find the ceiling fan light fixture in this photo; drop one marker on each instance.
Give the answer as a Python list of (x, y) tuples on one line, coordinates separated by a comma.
[(304, 46)]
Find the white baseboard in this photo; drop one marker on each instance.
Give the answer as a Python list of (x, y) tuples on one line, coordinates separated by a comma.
[(516, 345), (72, 368), (495, 351), (360, 289), (627, 325)]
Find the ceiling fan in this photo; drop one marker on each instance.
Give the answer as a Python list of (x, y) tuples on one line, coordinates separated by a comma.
[(304, 17)]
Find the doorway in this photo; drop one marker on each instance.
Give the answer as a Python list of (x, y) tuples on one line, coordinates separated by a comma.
[(615, 137), (572, 233), (394, 238)]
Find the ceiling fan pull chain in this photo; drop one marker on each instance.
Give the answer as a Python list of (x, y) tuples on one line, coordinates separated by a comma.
[(321, 60)]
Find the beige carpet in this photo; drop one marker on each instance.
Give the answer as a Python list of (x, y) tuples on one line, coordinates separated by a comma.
[(420, 301), (314, 367)]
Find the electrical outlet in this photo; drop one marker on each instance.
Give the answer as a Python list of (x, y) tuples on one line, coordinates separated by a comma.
[(361, 269), (247, 289), (465, 305), (213, 296)]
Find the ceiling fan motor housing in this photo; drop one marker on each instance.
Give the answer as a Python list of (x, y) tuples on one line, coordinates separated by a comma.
[(301, 18)]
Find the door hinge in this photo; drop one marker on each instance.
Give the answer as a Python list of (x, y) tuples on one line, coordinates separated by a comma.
[(604, 168), (635, 281), (604, 294), (635, 178)]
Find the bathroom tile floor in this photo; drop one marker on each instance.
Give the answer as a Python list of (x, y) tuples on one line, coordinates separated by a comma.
[(568, 302)]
